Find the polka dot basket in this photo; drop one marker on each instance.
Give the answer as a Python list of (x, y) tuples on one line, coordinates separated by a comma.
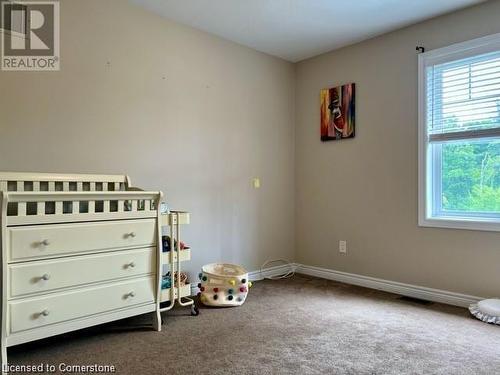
[(223, 284)]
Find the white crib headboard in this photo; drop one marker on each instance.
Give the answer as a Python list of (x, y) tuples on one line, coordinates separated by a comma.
[(23, 181), (36, 198)]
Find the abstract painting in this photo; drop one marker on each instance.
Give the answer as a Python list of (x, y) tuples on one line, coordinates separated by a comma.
[(337, 112)]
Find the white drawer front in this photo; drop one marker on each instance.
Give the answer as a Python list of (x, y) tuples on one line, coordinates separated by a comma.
[(31, 313), (41, 241), (47, 275)]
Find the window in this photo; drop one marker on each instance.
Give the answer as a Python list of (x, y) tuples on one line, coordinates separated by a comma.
[(459, 140)]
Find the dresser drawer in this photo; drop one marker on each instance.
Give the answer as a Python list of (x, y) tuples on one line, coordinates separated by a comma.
[(42, 241), (47, 275), (36, 312)]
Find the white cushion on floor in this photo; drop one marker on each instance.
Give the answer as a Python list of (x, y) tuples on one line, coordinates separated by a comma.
[(490, 306)]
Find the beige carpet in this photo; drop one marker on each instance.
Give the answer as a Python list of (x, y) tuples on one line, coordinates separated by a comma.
[(296, 326)]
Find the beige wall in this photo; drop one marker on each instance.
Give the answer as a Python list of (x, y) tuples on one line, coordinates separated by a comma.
[(176, 109), (364, 190), (198, 117)]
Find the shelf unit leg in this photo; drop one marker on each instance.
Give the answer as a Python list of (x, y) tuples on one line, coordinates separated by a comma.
[(172, 273), (178, 248)]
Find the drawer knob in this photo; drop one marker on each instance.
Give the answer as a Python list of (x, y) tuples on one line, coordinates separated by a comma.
[(131, 235), (46, 277), (131, 264), (44, 243), (45, 312), (131, 294)]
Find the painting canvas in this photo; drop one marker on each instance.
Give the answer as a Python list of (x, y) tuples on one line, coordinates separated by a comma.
[(337, 112)]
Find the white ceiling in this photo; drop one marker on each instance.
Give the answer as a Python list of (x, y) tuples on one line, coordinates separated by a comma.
[(297, 29)]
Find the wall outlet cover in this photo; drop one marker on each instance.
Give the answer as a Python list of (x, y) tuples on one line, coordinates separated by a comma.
[(343, 247)]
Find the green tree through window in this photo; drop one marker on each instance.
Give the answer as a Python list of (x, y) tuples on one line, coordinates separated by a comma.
[(471, 173)]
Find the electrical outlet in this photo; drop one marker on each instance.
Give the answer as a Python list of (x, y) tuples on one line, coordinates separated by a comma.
[(343, 247)]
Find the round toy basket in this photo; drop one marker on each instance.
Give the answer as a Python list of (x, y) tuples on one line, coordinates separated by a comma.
[(223, 284)]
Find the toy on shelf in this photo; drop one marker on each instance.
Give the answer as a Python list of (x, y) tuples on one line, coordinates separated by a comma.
[(166, 244), (166, 281), (223, 284)]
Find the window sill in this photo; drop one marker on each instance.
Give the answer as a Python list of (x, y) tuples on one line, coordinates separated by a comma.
[(461, 223)]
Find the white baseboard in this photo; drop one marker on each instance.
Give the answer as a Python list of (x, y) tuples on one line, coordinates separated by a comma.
[(429, 294), (271, 271), (416, 291), (194, 289)]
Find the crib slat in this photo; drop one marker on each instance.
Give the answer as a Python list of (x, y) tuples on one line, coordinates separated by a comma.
[(21, 206), (21, 209)]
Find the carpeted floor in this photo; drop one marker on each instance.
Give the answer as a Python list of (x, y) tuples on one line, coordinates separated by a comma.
[(302, 325)]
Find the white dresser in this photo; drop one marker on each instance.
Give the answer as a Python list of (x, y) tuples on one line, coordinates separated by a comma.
[(77, 250)]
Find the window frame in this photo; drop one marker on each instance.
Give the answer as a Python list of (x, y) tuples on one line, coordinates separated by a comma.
[(427, 197)]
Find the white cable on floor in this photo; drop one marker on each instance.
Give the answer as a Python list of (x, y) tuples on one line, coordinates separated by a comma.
[(286, 275)]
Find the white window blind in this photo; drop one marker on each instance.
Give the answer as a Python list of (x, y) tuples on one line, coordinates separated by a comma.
[(463, 98)]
